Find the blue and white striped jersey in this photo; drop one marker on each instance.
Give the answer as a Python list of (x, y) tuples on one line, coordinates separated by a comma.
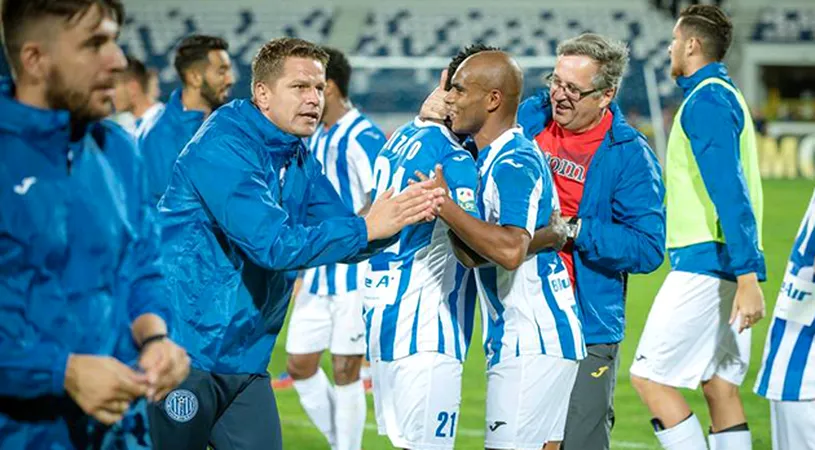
[(347, 151), (530, 310), (417, 296), (788, 369)]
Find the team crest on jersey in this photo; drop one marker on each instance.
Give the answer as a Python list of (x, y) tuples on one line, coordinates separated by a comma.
[(466, 199), (181, 405)]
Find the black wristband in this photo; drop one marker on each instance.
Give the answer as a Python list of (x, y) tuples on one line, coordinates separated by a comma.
[(153, 338)]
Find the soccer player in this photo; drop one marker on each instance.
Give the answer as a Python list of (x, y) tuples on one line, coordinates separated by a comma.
[(610, 187), (419, 301), (83, 319), (248, 206), (328, 308), (133, 100), (533, 338), (205, 70), (698, 329), (786, 377)]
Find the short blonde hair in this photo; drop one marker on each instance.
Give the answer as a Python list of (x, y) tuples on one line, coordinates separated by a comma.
[(267, 64)]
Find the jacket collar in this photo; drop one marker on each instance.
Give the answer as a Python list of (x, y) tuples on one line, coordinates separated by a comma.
[(48, 130), (177, 107), (263, 130), (714, 69)]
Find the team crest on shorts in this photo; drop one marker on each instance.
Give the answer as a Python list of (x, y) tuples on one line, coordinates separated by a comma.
[(181, 405)]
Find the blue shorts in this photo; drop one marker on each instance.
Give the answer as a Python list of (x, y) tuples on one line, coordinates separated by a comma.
[(227, 412)]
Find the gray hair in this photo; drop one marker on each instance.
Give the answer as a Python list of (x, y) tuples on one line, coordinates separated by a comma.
[(610, 54)]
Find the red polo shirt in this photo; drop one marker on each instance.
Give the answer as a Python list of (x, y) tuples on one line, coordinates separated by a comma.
[(569, 155)]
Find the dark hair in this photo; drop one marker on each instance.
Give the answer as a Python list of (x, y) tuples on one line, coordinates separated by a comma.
[(460, 57), (338, 69), (18, 15), (136, 70), (195, 49), (268, 62), (711, 25)]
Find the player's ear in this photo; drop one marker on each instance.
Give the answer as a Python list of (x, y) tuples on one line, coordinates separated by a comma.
[(34, 60), (195, 78), (331, 89), (494, 100), (607, 97), (261, 95)]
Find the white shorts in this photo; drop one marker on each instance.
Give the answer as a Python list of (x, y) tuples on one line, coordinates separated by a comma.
[(417, 400), (793, 425), (321, 322), (527, 401), (688, 339)]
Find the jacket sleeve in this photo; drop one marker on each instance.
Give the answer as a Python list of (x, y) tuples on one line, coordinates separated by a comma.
[(714, 128), (32, 361), (233, 189), (324, 204), (145, 262), (634, 241)]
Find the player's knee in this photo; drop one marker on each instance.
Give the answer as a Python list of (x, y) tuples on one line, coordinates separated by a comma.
[(640, 384), (301, 367), (346, 369), (718, 391)]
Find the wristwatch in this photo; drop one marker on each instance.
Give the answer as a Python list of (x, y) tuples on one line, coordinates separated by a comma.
[(573, 228)]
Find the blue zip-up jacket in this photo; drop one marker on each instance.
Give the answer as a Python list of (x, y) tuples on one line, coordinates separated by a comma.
[(162, 139), (623, 220), (79, 261), (246, 208), (713, 121)]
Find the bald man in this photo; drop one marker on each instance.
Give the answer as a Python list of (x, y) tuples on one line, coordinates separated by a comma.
[(533, 338)]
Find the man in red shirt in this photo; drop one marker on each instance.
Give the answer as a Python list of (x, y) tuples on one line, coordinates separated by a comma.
[(611, 193)]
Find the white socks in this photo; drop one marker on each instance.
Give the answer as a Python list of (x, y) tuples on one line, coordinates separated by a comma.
[(349, 415), (727, 440), (338, 412), (686, 435), (317, 398)]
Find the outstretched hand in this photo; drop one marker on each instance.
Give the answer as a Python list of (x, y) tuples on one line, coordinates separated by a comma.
[(389, 214)]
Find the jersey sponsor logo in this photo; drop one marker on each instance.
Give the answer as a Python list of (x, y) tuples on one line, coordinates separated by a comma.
[(181, 405), (25, 185), (497, 424), (794, 292), (566, 168), (383, 281), (466, 199)]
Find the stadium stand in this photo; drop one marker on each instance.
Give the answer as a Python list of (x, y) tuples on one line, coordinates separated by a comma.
[(779, 25), (151, 31), (530, 33)]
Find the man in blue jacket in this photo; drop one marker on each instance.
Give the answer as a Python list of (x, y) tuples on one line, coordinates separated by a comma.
[(205, 71), (611, 192), (698, 329), (81, 284), (248, 206)]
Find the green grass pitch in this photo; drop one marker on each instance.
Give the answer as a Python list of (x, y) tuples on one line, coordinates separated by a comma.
[(784, 204)]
